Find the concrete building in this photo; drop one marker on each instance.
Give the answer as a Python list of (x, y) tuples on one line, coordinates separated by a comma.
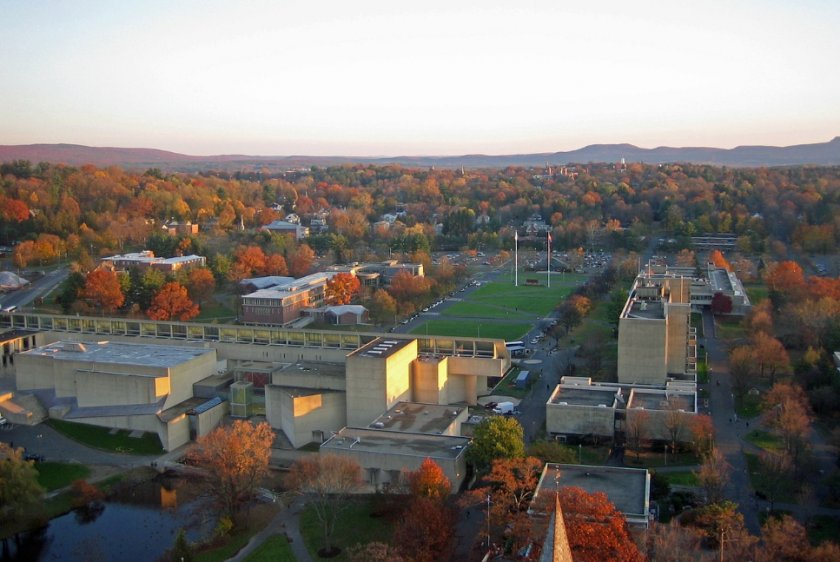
[(379, 274), (283, 303), (579, 408), (119, 385), (669, 412), (413, 417), (655, 340), (627, 488), (147, 259), (385, 455)]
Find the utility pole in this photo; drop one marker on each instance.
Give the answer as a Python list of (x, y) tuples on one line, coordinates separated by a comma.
[(488, 521)]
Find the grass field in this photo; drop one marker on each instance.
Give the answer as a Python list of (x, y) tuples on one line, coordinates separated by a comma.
[(757, 292), (55, 475), (765, 440), (355, 525), (102, 438), (784, 491), (472, 329), (686, 478), (275, 549)]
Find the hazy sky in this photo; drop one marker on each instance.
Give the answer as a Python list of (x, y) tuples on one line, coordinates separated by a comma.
[(397, 77)]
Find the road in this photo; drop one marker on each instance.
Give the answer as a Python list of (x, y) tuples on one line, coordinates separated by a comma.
[(38, 288)]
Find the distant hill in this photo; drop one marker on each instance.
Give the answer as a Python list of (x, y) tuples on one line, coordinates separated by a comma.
[(827, 153)]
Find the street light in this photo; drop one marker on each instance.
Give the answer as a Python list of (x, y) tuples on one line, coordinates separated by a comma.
[(488, 521)]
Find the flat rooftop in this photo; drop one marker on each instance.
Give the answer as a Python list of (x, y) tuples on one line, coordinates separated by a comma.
[(414, 417), (578, 395), (313, 367), (396, 443), (381, 348), (117, 353), (648, 309), (627, 488), (651, 399)]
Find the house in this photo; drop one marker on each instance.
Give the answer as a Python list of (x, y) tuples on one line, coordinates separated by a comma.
[(175, 228), (287, 227)]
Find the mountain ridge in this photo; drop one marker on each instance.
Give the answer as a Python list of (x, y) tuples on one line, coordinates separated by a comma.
[(825, 153)]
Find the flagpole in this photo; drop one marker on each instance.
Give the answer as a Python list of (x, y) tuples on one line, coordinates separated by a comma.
[(516, 258), (548, 259)]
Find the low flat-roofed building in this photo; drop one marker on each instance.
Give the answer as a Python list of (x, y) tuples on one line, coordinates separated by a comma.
[(627, 488), (283, 303), (414, 417), (119, 385), (286, 227), (669, 412), (305, 415), (582, 409), (147, 259), (384, 455)]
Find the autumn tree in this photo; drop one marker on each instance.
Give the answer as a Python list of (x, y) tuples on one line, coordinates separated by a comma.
[(724, 526), (713, 475), (102, 291), (702, 431), (776, 470), (248, 261), (786, 282), (573, 310), (675, 420), (783, 539), (596, 530), (428, 481), (328, 480), (341, 288), (716, 257), (275, 264), (172, 301), (374, 552), (382, 306), (234, 460), (769, 356), (686, 258), (721, 303), (426, 530), (741, 370), (19, 488), (673, 541), (552, 451), (300, 262), (200, 284), (496, 437), (512, 482), (409, 290), (789, 413)]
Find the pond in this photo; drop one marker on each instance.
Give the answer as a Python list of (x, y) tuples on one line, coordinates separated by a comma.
[(138, 524)]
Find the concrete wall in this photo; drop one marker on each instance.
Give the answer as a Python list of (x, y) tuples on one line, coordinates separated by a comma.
[(183, 376), (641, 351), (677, 344), (299, 416), (580, 420), (389, 467), (107, 389), (429, 381), (478, 366), (308, 379), (207, 421), (176, 433), (659, 421), (374, 384)]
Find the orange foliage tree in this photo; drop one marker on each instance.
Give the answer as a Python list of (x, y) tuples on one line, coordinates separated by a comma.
[(172, 301), (248, 260), (234, 459), (513, 483), (786, 282), (716, 257), (409, 290), (102, 291), (201, 284), (13, 210), (429, 481), (300, 262), (275, 264), (596, 530), (341, 288)]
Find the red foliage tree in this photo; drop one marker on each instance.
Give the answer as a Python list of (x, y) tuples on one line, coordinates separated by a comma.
[(342, 287), (786, 282), (102, 291), (426, 531), (275, 264), (716, 257), (172, 301), (13, 210), (596, 530), (721, 304)]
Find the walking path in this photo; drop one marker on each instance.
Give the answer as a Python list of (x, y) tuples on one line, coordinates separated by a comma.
[(287, 523)]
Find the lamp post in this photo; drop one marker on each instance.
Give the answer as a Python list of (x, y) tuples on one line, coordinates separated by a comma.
[(488, 521)]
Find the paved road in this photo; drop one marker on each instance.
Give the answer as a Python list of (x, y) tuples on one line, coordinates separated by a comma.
[(38, 288), (729, 430)]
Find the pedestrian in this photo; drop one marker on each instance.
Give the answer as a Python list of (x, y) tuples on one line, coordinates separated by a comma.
[(748, 423), (730, 419), (546, 387)]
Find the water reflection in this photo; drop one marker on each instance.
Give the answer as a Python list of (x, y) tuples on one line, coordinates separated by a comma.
[(137, 524)]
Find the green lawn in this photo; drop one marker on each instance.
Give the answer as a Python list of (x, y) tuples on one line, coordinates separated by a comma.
[(686, 478), (823, 528), (355, 525), (471, 329), (102, 438), (227, 550), (757, 292), (697, 322), (275, 549), (748, 407), (507, 386), (765, 440), (783, 492), (55, 475), (729, 328), (214, 310), (484, 310)]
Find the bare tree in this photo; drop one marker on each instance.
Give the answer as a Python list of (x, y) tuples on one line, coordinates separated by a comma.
[(676, 420), (636, 429), (329, 480)]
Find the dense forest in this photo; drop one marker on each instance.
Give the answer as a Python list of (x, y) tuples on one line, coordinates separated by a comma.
[(103, 211)]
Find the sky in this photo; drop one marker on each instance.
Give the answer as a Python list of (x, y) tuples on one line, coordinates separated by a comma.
[(387, 78)]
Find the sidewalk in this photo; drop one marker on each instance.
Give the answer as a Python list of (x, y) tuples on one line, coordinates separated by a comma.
[(287, 522)]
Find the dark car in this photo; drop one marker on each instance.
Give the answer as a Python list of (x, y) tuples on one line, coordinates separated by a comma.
[(33, 457)]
